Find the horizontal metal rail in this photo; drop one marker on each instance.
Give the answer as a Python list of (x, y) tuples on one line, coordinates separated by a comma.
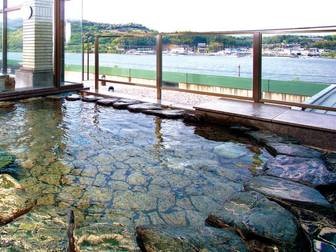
[(180, 90)]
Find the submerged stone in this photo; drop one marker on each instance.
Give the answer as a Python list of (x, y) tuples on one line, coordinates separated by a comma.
[(73, 97), (230, 150), (105, 237), (285, 190), (330, 159), (5, 159), (253, 213), (308, 171), (167, 113), (107, 102), (14, 201), (292, 150), (143, 106), (6, 181), (177, 238), (90, 98), (264, 137)]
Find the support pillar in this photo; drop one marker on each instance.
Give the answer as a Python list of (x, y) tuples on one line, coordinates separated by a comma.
[(37, 67)]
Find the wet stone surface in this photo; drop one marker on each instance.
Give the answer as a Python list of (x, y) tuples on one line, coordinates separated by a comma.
[(166, 113), (107, 101), (73, 97), (112, 166), (90, 98), (282, 189), (293, 150), (174, 238), (308, 171), (124, 103), (254, 214), (143, 106)]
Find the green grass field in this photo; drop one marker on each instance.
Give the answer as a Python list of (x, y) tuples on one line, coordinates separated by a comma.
[(273, 86)]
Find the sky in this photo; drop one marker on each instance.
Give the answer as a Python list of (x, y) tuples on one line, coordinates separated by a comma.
[(210, 15)]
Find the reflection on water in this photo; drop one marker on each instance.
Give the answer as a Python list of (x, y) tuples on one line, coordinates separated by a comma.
[(112, 166)]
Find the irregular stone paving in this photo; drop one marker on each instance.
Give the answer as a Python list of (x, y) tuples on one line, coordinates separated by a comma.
[(253, 213), (175, 238), (308, 171), (293, 150), (73, 97), (166, 113), (107, 102), (143, 106), (285, 190)]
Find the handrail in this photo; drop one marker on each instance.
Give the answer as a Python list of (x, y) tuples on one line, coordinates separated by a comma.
[(311, 29), (257, 59)]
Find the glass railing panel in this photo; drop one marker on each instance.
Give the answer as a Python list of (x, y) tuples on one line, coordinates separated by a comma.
[(298, 67), (73, 42), (215, 64), (127, 60)]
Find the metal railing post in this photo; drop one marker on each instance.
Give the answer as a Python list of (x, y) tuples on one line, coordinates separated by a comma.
[(4, 37), (96, 64), (83, 62), (88, 61), (257, 63), (159, 67)]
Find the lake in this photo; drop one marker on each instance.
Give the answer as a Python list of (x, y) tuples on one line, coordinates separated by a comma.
[(311, 69)]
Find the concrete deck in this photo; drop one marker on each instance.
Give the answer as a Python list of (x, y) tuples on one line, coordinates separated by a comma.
[(311, 128)]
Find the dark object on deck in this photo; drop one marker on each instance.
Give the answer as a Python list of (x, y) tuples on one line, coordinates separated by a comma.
[(70, 232), (111, 89), (103, 81)]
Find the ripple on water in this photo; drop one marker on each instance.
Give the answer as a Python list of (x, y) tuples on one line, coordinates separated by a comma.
[(114, 166)]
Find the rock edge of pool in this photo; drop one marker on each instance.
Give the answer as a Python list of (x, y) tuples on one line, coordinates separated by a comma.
[(86, 173)]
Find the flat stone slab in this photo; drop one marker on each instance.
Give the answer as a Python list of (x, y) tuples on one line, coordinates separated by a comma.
[(253, 213), (107, 102), (90, 98), (308, 171), (286, 190), (143, 106), (73, 97), (292, 150), (124, 103), (186, 239), (166, 113)]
